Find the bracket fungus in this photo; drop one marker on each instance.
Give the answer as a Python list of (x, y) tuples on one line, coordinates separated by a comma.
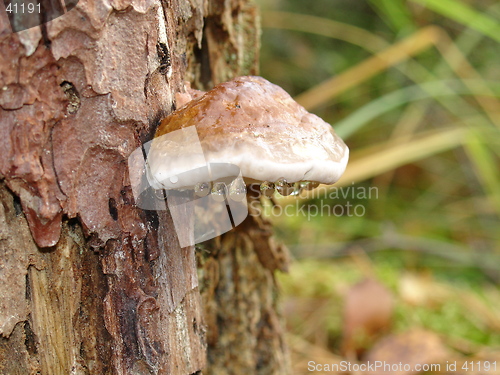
[(253, 125), (243, 132)]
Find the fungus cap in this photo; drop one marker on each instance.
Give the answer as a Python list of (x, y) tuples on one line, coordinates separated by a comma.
[(253, 124)]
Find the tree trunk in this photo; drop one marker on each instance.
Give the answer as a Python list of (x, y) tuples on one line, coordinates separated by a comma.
[(91, 284)]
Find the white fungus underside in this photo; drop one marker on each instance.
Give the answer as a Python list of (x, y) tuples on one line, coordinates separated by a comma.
[(182, 168)]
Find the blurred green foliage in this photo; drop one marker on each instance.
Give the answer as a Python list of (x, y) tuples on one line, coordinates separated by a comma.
[(424, 130), (450, 191)]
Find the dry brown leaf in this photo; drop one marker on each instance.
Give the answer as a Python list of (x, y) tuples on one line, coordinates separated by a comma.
[(404, 353), (368, 312)]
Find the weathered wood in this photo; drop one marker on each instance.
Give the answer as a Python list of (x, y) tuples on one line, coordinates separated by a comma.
[(92, 278), (58, 326)]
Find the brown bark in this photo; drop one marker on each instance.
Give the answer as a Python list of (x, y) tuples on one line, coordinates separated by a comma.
[(90, 284), (245, 334)]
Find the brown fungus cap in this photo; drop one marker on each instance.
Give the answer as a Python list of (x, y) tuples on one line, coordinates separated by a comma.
[(256, 125)]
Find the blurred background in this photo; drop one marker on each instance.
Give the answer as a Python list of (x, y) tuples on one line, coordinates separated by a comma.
[(400, 261)]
